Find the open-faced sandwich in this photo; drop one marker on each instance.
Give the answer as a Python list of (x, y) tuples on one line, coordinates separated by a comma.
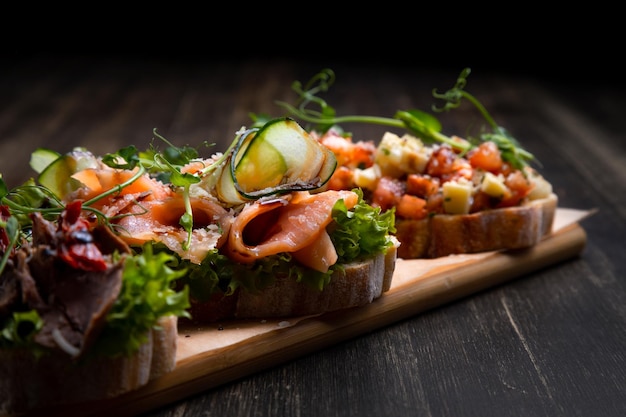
[(101, 255), (82, 317), (451, 195)]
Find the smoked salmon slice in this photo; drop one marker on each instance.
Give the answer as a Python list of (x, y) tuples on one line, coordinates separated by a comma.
[(98, 181), (158, 220), (149, 210), (295, 224)]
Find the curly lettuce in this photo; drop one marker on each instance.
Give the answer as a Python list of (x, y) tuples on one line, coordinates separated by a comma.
[(147, 294), (361, 232)]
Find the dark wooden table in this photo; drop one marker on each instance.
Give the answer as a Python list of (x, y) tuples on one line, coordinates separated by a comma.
[(552, 343)]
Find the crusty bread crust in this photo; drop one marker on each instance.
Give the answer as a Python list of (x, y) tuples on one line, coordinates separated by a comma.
[(164, 346), (357, 284), (28, 383), (506, 228)]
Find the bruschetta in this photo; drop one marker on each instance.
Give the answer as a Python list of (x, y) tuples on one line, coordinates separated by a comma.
[(450, 195), (446, 202)]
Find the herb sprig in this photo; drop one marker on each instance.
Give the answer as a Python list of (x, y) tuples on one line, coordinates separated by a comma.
[(311, 108)]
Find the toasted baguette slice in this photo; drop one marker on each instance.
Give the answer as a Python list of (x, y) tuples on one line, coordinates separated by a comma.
[(357, 284), (28, 383), (506, 228)]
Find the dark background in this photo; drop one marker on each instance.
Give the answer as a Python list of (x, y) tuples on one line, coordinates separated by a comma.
[(580, 46)]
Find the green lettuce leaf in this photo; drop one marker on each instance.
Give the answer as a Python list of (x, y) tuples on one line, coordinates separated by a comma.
[(361, 232), (148, 293)]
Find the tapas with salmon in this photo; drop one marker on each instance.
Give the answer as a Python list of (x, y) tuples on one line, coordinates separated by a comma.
[(103, 255)]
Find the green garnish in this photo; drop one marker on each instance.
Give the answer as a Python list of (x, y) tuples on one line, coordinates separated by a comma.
[(313, 109), (509, 147), (147, 294), (362, 231)]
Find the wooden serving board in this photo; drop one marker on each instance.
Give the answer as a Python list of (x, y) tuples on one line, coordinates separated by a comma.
[(216, 354)]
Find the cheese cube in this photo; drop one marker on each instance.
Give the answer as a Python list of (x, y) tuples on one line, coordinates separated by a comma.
[(494, 185), (457, 196), (366, 178), (542, 187), (397, 156)]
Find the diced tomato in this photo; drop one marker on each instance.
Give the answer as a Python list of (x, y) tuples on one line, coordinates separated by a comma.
[(506, 169), (421, 186), (446, 165), (486, 156), (387, 193), (348, 153), (441, 162), (341, 147), (363, 154), (461, 169), (434, 203), (520, 187), (342, 179), (411, 207), (482, 201)]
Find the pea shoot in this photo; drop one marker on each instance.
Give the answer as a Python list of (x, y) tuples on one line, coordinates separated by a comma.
[(311, 108)]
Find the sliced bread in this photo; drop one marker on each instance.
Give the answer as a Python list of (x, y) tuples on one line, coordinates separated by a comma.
[(29, 383), (355, 284), (505, 228)]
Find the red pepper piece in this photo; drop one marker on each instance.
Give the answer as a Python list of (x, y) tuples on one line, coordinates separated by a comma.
[(76, 246)]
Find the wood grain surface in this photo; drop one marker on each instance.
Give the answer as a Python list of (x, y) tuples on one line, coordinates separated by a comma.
[(549, 343)]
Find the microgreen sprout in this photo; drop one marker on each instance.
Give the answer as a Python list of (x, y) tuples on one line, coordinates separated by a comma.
[(311, 108), (510, 148)]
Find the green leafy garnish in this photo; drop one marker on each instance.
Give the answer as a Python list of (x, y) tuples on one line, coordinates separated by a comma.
[(362, 231), (311, 108), (147, 294), (509, 147)]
